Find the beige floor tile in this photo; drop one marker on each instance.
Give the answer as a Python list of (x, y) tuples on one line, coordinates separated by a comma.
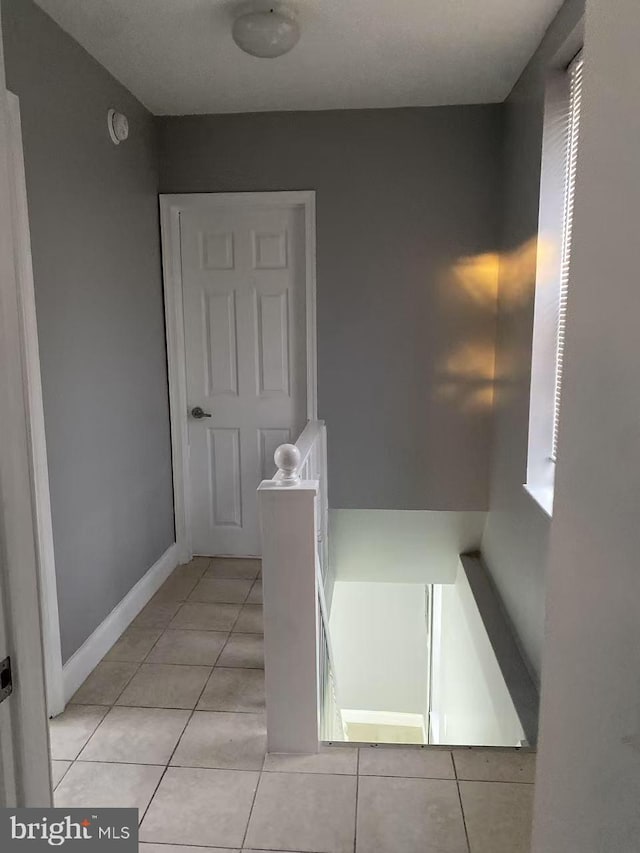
[(498, 816), (243, 650), (206, 617), (179, 848), (195, 569), (58, 769), (249, 620), (481, 765), (201, 563), (255, 596), (411, 763), (89, 784), (201, 807), (134, 645), (221, 591), (223, 741), (156, 615), (105, 683), (158, 685), (409, 816), (232, 568), (69, 732), (136, 736), (191, 647), (330, 759), (234, 690), (304, 811), (178, 586)]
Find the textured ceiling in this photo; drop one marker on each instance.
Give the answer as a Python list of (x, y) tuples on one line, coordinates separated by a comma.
[(178, 57)]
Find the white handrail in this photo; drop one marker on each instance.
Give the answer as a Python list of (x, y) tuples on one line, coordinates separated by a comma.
[(308, 437)]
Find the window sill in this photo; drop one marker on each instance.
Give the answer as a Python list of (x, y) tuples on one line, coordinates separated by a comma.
[(543, 497)]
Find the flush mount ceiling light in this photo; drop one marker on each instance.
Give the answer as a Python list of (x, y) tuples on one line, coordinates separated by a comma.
[(267, 34)]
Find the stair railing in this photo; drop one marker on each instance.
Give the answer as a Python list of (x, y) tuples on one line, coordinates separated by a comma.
[(299, 674)]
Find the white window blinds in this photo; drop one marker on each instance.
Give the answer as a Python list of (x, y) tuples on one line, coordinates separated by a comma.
[(573, 127)]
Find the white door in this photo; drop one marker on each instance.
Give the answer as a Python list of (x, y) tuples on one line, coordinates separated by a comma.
[(243, 280)]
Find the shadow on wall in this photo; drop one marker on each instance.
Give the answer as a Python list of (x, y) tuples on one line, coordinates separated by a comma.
[(468, 377)]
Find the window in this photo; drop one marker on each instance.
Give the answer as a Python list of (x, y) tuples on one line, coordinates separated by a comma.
[(573, 128), (557, 192)]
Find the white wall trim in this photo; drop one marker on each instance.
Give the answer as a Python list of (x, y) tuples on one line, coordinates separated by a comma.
[(171, 206), (35, 412), (25, 778), (91, 652), (435, 728)]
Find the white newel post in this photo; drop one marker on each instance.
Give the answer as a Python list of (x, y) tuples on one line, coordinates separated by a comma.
[(288, 524)]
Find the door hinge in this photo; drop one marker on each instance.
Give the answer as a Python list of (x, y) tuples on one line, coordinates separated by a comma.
[(6, 682)]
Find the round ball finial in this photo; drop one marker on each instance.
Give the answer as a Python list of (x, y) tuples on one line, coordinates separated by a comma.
[(287, 458)]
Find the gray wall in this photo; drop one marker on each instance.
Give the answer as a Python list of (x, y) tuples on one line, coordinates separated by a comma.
[(95, 246), (588, 780), (405, 348), (516, 536)]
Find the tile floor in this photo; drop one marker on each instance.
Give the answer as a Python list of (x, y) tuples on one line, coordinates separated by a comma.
[(172, 722)]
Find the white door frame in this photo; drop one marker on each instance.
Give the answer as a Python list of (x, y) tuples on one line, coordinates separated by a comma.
[(171, 206), (24, 751), (35, 414)]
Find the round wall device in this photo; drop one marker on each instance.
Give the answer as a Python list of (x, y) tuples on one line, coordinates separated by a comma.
[(118, 125)]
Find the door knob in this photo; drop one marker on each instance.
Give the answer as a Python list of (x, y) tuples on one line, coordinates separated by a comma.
[(198, 413)]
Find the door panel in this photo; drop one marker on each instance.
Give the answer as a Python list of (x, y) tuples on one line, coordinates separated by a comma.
[(224, 466), (219, 312), (270, 440), (244, 281), (273, 344)]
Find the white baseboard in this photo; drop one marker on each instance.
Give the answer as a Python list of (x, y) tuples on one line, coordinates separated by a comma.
[(94, 648)]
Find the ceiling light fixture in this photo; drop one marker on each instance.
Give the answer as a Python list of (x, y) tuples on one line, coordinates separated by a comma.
[(266, 34)]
